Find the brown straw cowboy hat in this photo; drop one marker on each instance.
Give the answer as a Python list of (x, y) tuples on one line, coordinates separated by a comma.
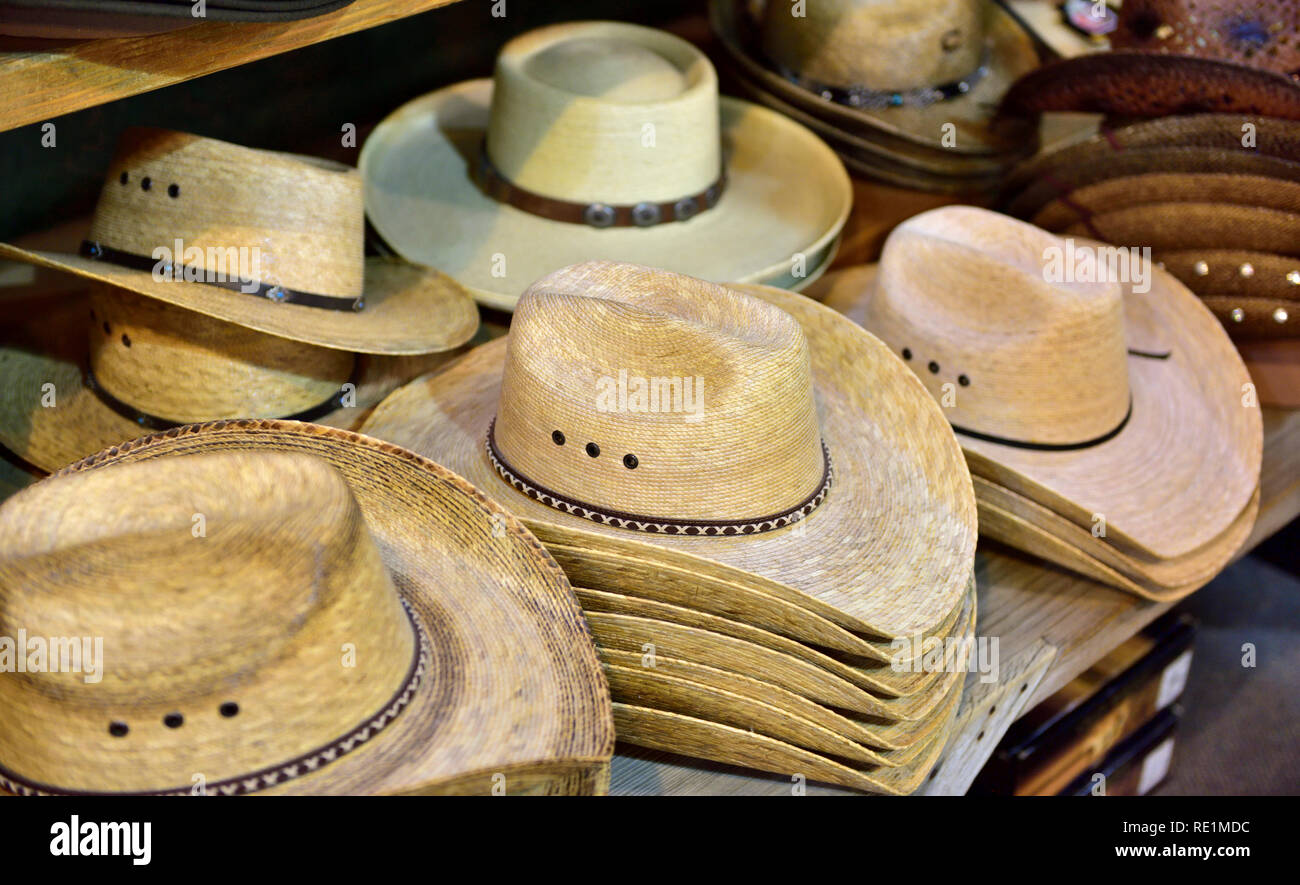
[(1179, 57), (295, 609), (748, 436), (1071, 392), (601, 140), (901, 69), (138, 353)]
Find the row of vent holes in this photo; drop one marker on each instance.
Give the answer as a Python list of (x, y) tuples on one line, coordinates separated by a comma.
[(173, 190), (934, 772), (173, 720), (126, 340)]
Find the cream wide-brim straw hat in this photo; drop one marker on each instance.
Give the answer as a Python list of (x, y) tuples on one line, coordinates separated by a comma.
[(777, 221), (1010, 51), (887, 554), (510, 694), (49, 428), (1185, 464)]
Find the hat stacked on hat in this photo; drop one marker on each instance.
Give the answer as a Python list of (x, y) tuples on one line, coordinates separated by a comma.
[(768, 522), (1108, 423), (600, 140), (904, 90), (1209, 183), (293, 609), (221, 282)]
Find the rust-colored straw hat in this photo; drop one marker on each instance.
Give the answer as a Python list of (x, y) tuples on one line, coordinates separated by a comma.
[(602, 140), (1179, 57), (736, 431), (1076, 394), (224, 282), (293, 609)]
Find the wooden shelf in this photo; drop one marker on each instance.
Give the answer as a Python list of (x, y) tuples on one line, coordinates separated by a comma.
[(42, 83), (1051, 626)]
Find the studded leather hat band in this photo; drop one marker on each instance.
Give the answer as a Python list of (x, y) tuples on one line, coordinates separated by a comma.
[(278, 294), (879, 99), (645, 214)]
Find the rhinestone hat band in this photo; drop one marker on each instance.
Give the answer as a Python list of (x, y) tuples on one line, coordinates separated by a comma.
[(878, 100)]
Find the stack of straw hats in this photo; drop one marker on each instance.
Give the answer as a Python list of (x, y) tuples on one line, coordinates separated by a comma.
[(294, 609), (219, 282), (1210, 179), (1108, 423), (765, 516), (904, 90), (601, 140)]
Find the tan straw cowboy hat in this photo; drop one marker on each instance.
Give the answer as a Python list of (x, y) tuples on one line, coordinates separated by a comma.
[(270, 241), (143, 351), (905, 70), (751, 439), (1078, 395), (295, 609), (601, 140)]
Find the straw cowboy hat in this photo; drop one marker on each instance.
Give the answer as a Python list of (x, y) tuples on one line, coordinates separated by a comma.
[(351, 619), (1070, 393), (904, 69), (142, 353), (1178, 57), (601, 140), (804, 462)]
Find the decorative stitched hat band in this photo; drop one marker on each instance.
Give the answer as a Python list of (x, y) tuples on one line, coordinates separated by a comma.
[(655, 524), (878, 99), (303, 765), (278, 294), (599, 215)]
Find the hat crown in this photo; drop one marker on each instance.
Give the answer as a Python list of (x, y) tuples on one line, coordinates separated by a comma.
[(601, 112), (179, 366), (649, 393), (238, 213), (964, 295), (881, 45), (1257, 33), (207, 581)]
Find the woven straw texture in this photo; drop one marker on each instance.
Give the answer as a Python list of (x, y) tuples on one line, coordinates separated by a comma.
[(988, 30), (1195, 393), (886, 554), (297, 221), (613, 113), (511, 684), (170, 363)]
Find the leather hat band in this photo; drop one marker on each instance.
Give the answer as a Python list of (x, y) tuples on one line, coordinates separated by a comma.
[(599, 215), (278, 294)]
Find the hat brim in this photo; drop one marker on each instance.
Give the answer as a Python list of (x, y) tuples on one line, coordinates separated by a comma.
[(1143, 83), (1011, 55), (793, 672), (52, 350), (409, 309), (1161, 496), (1224, 132), (1040, 531), (887, 554), (702, 739), (422, 198), (513, 686)]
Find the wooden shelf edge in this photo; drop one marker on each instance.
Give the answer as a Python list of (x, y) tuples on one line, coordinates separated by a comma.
[(38, 85)]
